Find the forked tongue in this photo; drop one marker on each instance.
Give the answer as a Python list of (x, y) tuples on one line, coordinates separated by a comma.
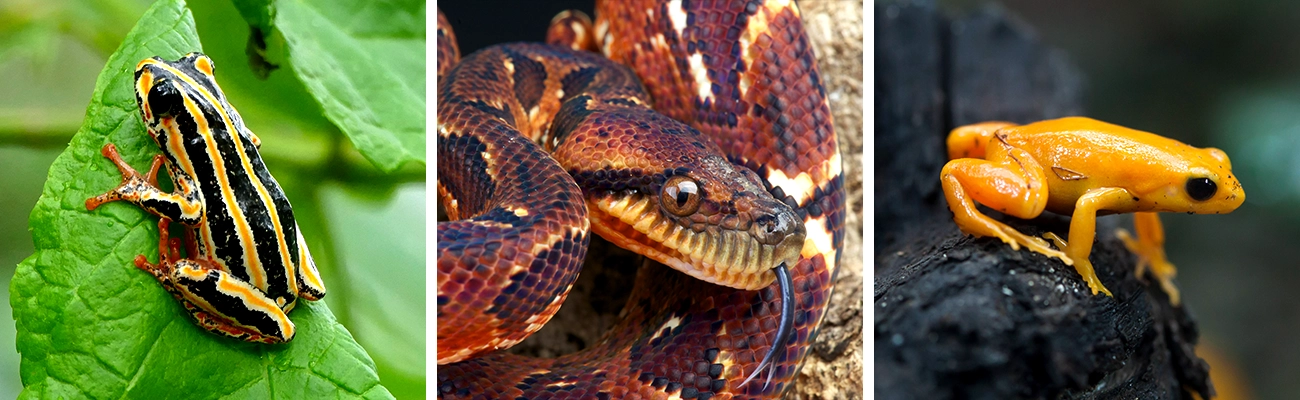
[(783, 330)]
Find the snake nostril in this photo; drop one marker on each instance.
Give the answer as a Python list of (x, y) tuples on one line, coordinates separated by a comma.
[(775, 227), (769, 222)]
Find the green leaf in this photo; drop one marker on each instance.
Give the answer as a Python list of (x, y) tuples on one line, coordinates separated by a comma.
[(258, 13), (91, 325), (385, 278), (364, 62)]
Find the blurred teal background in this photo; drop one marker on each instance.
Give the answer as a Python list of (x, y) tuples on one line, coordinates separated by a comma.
[(1220, 74), (373, 254)]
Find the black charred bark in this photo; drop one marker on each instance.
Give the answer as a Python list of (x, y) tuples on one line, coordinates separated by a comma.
[(964, 318)]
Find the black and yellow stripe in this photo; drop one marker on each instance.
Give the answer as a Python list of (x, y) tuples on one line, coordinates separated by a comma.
[(252, 263), (234, 301), (245, 206)]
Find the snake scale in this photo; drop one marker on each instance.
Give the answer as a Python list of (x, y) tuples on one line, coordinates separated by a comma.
[(539, 146)]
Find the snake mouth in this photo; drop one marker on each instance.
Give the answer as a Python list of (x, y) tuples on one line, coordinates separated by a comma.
[(739, 258)]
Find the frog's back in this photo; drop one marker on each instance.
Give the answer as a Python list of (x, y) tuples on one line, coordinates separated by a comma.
[(1065, 137), (250, 229), (1080, 154)]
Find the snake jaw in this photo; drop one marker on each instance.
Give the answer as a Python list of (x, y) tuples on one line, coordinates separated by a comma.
[(734, 258), (671, 196)]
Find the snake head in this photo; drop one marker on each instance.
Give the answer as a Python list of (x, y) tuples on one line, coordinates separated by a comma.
[(660, 188)]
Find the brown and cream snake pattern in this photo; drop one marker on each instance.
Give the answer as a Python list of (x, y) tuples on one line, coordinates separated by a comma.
[(541, 145)]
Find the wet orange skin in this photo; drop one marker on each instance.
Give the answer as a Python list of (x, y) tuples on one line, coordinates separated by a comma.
[(1083, 168)]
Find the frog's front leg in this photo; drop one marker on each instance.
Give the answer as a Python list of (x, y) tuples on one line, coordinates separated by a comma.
[(220, 302), (1008, 180), (1150, 249), (184, 206), (1083, 229)]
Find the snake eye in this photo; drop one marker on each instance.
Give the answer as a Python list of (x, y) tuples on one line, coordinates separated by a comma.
[(1201, 189), (680, 196)]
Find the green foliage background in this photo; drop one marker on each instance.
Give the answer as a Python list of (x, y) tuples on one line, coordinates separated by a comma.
[(342, 125)]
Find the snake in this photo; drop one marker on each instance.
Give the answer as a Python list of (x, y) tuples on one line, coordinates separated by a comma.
[(694, 133)]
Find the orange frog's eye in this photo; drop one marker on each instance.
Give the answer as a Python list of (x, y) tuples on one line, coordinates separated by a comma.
[(681, 196), (1201, 189)]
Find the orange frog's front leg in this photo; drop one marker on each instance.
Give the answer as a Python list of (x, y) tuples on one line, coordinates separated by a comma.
[(1083, 229), (1150, 249), (986, 169)]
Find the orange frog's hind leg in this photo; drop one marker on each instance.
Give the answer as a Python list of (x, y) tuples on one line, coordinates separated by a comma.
[(971, 141), (1150, 249), (1007, 179)]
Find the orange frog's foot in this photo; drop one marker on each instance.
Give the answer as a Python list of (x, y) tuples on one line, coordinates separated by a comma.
[(1152, 255), (168, 254), (1083, 266), (1016, 239), (132, 182)]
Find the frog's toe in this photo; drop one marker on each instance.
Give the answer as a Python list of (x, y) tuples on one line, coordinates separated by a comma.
[(1170, 290), (1135, 247), (1149, 256), (1129, 241), (1085, 270), (1040, 246), (1009, 240), (1097, 287)]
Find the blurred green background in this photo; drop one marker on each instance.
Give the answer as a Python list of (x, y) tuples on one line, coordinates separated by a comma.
[(1220, 74), (373, 258)]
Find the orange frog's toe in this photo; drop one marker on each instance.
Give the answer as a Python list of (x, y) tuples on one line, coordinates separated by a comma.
[(1171, 290), (1037, 245), (1081, 265), (1133, 246), (1151, 254), (1084, 268)]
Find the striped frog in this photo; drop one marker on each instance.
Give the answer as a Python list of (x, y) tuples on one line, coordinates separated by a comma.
[(246, 262)]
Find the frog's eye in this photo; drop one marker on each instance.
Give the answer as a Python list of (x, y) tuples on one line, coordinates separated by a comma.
[(165, 99), (681, 196), (1201, 189)]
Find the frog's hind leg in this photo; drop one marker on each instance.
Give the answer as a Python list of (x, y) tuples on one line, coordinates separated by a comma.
[(971, 141), (1150, 249), (220, 302), (229, 306), (1008, 180)]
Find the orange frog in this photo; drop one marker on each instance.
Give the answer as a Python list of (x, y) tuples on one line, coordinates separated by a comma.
[(1084, 168)]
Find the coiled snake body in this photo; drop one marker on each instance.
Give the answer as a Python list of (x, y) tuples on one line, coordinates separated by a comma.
[(752, 183)]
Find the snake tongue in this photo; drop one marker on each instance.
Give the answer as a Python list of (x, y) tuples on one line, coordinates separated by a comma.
[(783, 331)]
